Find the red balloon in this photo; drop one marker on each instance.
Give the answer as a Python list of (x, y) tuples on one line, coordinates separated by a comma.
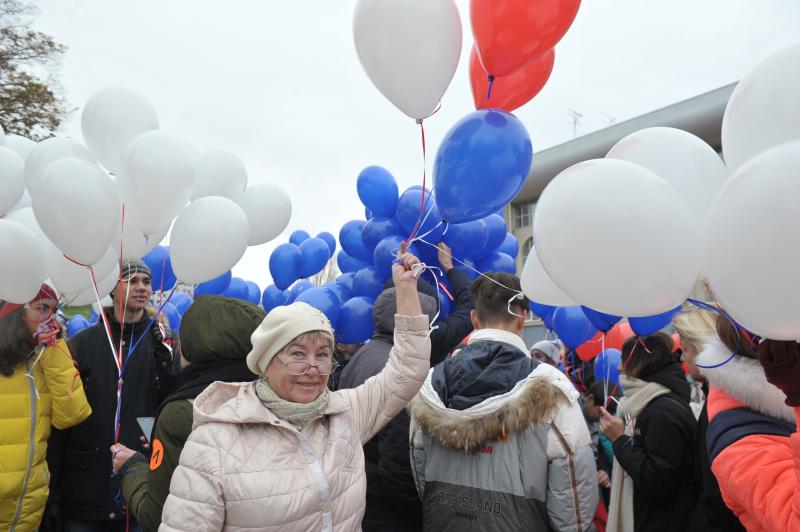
[(591, 348), (513, 90), (618, 334), (510, 33)]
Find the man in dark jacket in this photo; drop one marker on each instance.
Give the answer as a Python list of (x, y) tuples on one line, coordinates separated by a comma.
[(83, 491), (392, 500), (215, 340)]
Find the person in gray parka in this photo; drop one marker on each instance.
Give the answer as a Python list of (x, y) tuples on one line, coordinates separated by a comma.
[(498, 439)]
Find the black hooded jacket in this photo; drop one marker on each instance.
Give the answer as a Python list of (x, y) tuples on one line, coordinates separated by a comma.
[(660, 456), (392, 500)]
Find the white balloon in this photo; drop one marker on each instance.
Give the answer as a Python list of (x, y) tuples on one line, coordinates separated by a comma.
[(23, 203), (268, 209), (87, 296), (26, 217), (70, 278), (111, 119), (617, 238), (208, 238), (683, 160), (134, 242), (2, 136), (12, 181), (21, 145), (539, 287), (77, 206), (218, 173), (156, 181), (409, 50), (48, 151), (22, 269), (764, 109), (750, 244)]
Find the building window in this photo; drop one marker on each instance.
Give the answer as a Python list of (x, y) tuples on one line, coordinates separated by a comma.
[(526, 249), (523, 214)]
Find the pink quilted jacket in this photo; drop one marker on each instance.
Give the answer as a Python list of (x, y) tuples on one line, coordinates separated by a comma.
[(244, 469)]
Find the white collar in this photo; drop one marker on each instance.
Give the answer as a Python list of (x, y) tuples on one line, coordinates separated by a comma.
[(499, 335)]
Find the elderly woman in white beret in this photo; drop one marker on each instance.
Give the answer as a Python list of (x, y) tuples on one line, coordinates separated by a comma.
[(284, 453)]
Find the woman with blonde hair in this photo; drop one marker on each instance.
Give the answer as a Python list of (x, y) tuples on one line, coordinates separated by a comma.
[(284, 453), (697, 329)]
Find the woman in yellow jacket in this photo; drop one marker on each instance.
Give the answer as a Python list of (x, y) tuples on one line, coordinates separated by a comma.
[(39, 385)]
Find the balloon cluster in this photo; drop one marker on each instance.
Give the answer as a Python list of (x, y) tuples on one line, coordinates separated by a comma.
[(69, 207)]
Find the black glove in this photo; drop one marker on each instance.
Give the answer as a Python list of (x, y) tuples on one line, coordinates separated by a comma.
[(781, 363), (51, 520), (161, 350)]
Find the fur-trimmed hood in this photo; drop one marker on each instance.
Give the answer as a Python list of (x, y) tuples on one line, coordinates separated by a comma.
[(743, 379), (533, 400)]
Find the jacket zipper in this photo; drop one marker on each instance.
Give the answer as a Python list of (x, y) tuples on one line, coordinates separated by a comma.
[(572, 478), (322, 483), (31, 450)]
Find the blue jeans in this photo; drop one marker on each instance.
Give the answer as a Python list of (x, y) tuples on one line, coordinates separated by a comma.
[(101, 526)]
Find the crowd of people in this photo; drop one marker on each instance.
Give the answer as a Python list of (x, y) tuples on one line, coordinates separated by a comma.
[(266, 422)]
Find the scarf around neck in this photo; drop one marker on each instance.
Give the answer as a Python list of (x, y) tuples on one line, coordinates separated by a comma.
[(298, 414), (638, 394)]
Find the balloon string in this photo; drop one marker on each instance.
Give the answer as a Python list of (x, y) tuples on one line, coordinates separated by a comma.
[(119, 284), (491, 84), (424, 179), (106, 324), (738, 329)]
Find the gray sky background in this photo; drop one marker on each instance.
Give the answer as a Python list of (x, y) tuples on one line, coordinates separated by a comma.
[(279, 82)]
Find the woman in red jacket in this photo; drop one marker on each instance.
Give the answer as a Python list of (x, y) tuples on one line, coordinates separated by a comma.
[(752, 436)]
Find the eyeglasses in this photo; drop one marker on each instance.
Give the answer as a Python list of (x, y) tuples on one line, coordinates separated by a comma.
[(301, 368)]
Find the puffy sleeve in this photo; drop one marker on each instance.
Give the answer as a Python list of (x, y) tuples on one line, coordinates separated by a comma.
[(759, 476), (195, 500), (381, 397), (69, 405)]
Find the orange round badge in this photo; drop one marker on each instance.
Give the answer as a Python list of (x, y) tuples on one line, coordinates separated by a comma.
[(158, 455)]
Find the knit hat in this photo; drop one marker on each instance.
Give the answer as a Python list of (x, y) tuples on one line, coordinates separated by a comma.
[(218, 328), (134, 266), (549, 348), (281, 326), (45, 292)]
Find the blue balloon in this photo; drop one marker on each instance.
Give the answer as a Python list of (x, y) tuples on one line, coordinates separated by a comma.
[(254, 292), (272, 297), (377, 190), (76, 324), (540, 309), (572, 326), (181, 301), (496, 228), (408, 214), (93, 317), (427, 253), (214, 287), (174, 317), (350, 238), (510, 246), (468, 267), (548, 322), (348, 264), (284, 265), (481, 164), (385, 254), (342, 292), (237, 289), (298, 237), (377, 229), (323, 300), (497, 262), (367, 214), (355, 321), (297, 288), (368, 282), (602, 322), (315, 255), (651, 324), (160, 264), (467, 239), (346, 279), (606, 366), (444, 305), (330, 240)]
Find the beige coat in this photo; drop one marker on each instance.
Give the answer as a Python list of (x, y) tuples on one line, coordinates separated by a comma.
[(244, 469)]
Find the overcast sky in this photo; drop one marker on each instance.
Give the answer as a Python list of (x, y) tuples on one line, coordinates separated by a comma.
[(279, 82)]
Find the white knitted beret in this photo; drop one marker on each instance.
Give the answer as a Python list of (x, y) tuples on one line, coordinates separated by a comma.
[(281, 326)]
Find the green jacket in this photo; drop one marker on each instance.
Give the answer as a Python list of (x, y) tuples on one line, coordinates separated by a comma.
[(145, 486)]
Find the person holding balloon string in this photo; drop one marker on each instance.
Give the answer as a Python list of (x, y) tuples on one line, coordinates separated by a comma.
[(85, 492), (40, 387)]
